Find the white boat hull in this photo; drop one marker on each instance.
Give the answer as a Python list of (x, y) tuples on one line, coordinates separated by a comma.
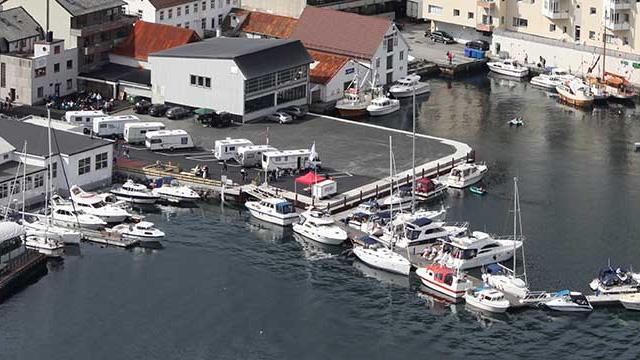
[(450, 292), (508, 285), (404, 93), (461, 184), (384, 259), (136, 199), (544, 84), (567, 308), (484, 305), (324, 239), (280, 219), (381, 111), (76, 225), (481, 259), (508, 72)]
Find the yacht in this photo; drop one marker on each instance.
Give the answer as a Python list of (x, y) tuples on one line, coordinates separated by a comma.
[(379, 256), (91, 203), (569, 301), (576, 92), (143, 231), (382, 105), (476, 249), (422, 233), (66, 215), (430, 189), (176, 193), (369, 207), (320, 227), (38, 226), (617, 280), (353, 104), (465, 174), (631, 301), (487, 299), (508, 67), (550, 81), (44, 243), (408, 86), (274, 210), (134, 193), (445, 280)]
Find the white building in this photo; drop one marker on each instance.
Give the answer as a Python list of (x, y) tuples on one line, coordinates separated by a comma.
[(331, 75), (11, 187), (203, 16), (249, 78)]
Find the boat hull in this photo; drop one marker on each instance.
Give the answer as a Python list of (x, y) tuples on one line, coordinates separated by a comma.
[(461, 184), (329, 240), (486, 306), (567, 308), (482, 260), (506, 72), (383, 259), (544, 85), (383, 111), (270, 218), (571, 99), (630, 305), (75, 225), (136, 199), (420, 90), (352, 112), (441, 288)]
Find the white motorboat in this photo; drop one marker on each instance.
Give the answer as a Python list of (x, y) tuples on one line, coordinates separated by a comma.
[(487, 299), (176, 193), (615, 280), (508, 67), (66, 215), (381, 257), (575, 92), (570, 301), (631, 301), (400, 200), (143, 231), (134, 193), (430, 189), (322, 228), (420, 233), (466, 174), (91, 203), (274, 210), (369, 207), (44, 243), (408, 86), (550, 81), (40, 228), (476, 249), (445, 280), (517, 121), (382, 105)]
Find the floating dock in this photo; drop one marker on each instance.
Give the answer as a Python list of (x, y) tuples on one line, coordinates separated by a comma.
[(107, 238)]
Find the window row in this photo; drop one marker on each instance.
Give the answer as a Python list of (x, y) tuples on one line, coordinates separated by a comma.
[(196, 7), (101, 160), (200, 81), (30, 182)]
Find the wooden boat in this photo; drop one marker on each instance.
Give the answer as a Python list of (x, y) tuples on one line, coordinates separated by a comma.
[(575, 92)]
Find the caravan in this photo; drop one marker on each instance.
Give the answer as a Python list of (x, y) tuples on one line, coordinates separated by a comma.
[(83, 118), (228, 148), (135, 132), (249, 156), (112, 126), (168, 140), (289, 159)]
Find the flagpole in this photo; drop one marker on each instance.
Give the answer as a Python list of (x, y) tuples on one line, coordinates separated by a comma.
[(413, 156)]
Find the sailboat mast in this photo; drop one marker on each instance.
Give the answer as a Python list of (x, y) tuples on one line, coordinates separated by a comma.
[(515, 234), (604, 47), (393, 228), (524, 264), (49, 185), (24, 179), (413, 155)]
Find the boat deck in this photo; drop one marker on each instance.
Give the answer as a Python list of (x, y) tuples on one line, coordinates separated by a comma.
[(106, 238)]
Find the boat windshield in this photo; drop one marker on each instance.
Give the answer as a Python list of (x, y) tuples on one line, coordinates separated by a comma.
[(99, 204), (412, 234), (285, 208)]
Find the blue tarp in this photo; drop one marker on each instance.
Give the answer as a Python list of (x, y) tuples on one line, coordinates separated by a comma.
[(562, 293), (284, 207), (368, 240), (493, 269), (422, 221)]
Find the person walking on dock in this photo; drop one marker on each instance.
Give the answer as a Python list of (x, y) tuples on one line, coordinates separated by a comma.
[(243, 173), (224, 165), (205, 171), (450, 57)]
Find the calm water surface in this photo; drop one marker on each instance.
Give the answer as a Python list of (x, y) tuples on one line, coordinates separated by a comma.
[(228, 287)]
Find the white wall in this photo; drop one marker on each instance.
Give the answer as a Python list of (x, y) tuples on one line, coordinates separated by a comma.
[(148, 11), (52, 78), (128, 61), (94, 178), (334, 89), (399, 66)]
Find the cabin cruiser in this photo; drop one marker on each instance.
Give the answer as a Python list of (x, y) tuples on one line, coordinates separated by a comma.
[(134, 193), (504, 279), (570, 301), (382, 105), (353, 104), (550, 81), (66, 215), (176, 193), (476, 249), (612, 280), (576, 92), (446, 280), (274, 210), (430, 189), (408, 86), (423, 232), (465, 174), (379, 256), (91, 203), (631, 301), (400, 200), (143, 231), (487, 299), (37, 225), (320, 227), (508, 67)]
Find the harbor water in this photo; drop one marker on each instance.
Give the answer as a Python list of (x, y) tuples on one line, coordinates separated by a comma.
[(226, 286)]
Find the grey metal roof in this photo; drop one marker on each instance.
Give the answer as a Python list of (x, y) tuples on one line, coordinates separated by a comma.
[(65, 142), (82, 7), (8, 170), (5, 147), (17, 24), (254, 57)]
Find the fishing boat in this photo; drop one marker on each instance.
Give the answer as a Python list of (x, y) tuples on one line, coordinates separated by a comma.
[(408, 86), (615, 280), (176, 193), (478, 190), (93, 204), (465, 174), (277, 211), (382, 105), (517, 121), (135, 193), (508, 67), (320, 227), (354, 101), (487, 299), (570, 301), (379, 256), (444, 279), (631, 301), (576, 92), (143, 231), (430, 189), (618, 87)]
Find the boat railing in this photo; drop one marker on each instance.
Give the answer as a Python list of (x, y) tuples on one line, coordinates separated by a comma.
[(509, 237)]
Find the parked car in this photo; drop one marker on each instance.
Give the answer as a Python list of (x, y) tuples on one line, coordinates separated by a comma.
[(281, 117), (158, 110), (478, 45), (142, 106), (215, 119), (440, 36), (177, 112), (296, 112)]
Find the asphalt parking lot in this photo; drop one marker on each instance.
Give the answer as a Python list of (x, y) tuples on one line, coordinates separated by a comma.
[(423, 48)]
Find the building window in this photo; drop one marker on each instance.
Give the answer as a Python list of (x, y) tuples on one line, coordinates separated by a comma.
[(296, 93), (41, 72), (102, 161), (179, 25), (456, 12), (203, 23), (564, 29), (520, 22), (437, 10), (186, 24), (84, 166), (17, 188), (69, 64), (204, 5), (201, 81), (389, 62), (609, 38), (213, 23), (161, 14), (3, 75), (592, 35), (186, 9), (38, 181), (178, 11), (259, 84), (389, 77), (625, 41), (140, 13), (469, 15), (40, 92), (4, 191), (213, 4), (293, 74), (56, 67), (402, 55), (56, 49), (592, 11), (193, 79), (69, 84), (377, 62), (28, 183), (169, 13), (195, 8), (207, 82), (260, 103), (552, 27), (54, 170), (219, 20)]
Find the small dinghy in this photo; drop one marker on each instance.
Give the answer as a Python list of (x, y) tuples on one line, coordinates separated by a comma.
[(571, 301), (478, 190), (517, 121)]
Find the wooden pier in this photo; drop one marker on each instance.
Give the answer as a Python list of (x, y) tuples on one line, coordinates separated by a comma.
[(20, 271)]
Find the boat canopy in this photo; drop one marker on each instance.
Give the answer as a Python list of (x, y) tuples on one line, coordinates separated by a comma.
[(284, 207), (562, 293), (422, 221), (425, 185), (368, 240), (493, 269), (310, 178), (9, 230)]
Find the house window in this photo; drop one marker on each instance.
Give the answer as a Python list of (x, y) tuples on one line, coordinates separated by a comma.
[(469, 15), (203, 23), (520, 22), (625, 41), (178, 11), (195, 7), (389, 62), (296, 93), (204, 5), (219, 20), (435, 9), (170, 14), (56, 49), (186, 24), (377, 62), (3, 75), (207, 82), (390, 44), (609, 38), (140, 13), (390, 77), (592, 11), (69, 84), (28, 183), (102, 161), (84, 166), (41, 71), (456, 12), (38, 181), (213, 4), (56, 67), (201, 81), (161, 14), (69, 64), (40, 92), (186, 9), (4, 191), (592, 35), (193, 79), (213, 23), (402, 55), (552, 27)]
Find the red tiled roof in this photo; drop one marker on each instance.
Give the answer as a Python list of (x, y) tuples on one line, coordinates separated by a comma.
[(327, 66), (268, 24), (147, 38), (341, 32)]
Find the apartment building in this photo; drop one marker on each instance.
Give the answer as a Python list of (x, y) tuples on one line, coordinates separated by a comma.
[(294, 8), (203, 16)]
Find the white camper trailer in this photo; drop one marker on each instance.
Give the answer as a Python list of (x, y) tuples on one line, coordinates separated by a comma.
[(251, 155), (288, 159), (83, 118), (112, 126), (228, 148), (135, 132), (168, 140)]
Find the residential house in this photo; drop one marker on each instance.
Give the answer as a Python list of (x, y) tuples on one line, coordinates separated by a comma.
[(332, 74), (294, 8)]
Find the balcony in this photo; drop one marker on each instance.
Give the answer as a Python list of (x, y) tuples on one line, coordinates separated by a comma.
[(617, 26), (486, 4), (619, 4), (122, 21), (484, 27), (554, 14)]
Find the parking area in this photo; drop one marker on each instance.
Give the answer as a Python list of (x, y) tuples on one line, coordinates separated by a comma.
[(422, 48)]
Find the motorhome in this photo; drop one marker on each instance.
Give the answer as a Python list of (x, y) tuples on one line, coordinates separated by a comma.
[(249, 156), (135, 132), (112, 126), (83, 118), (228, 148), (168, 140), (288, 159)]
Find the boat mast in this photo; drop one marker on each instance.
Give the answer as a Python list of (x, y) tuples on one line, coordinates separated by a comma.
[(604, 46), (393, 228), (413, 155), (24, 179), (49, 185), (515, 234), (524, 264)]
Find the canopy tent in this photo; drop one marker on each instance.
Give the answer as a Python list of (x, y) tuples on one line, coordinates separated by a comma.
[(310, 178)]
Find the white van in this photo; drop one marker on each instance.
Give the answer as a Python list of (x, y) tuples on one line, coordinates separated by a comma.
[(83, 118), (288, 159), (135, 132), (251, 155), (112, 126), (228, 148), (168, 140)]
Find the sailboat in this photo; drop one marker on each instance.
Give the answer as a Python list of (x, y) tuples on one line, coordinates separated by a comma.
[(501, 277)]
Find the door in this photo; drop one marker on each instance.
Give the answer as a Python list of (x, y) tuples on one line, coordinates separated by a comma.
[(299, 163), (12, 94), (56, 89)]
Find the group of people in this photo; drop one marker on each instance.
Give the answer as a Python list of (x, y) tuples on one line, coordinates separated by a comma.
[(6, 104), (202, 171), (91, 100)]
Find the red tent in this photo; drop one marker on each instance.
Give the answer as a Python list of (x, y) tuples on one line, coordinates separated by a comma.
[(310, 178)]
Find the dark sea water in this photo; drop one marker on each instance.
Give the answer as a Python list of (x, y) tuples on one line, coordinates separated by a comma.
[(228, 287)]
